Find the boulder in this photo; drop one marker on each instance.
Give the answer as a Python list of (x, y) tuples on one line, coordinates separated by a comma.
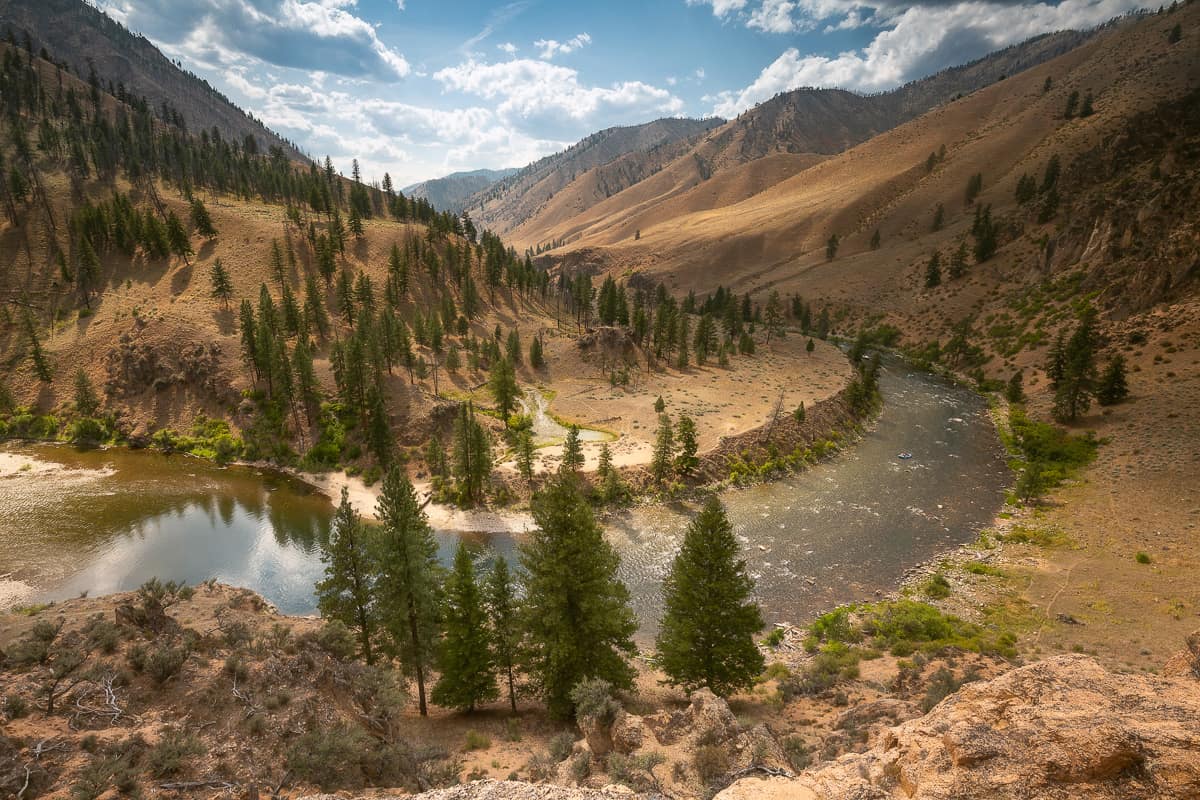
[(628, 733), (1063, 727), (706, 717)]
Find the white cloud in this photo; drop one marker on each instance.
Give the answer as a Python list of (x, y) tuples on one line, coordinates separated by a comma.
[(919, 41), (532, 90), (721, 8), (299, 34), (550, 48), (773, 16), (508, 47)]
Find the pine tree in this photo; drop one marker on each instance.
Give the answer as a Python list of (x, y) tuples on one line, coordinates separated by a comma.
[(89, 270), (875, 240), (958, 261), (277, 270), (379, 431), (408, 580), (810, 346), (1074, 390), (664, 450), (177, 237), (939, 217), (41, 364), (572, 451), (686, 460), (831, 247), (660, 405), (86, 401), (933, 271), (202, 220), (347, 592), (502, 382), (1113, 388), (315, 315), (472, 455), (707, 635), (1056, 362), (525, 454), (773, 316), (222, 286), (576, 612), (512, 347), (537, 359), (500, 595), (467, 666), (1014, 391)]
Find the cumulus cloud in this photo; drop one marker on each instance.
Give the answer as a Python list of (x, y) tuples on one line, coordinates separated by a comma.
[(507, 47), (299, 34), (550, 48), (918, 41), (531, 91), (721, 8)]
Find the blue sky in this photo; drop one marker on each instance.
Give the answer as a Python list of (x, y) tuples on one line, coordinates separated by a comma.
[(422, 88)]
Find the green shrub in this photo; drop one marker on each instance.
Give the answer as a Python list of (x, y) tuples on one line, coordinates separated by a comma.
[(774, 638), (560, 746), (477, 741), (592, 698), (937, 586), (797, 752), (164, 661), (170, 755), (581, 767), (980, 568), (1142, 558), (710, 762), (14, 706)]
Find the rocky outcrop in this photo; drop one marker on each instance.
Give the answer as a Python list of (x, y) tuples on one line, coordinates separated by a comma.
[(1064, 727)]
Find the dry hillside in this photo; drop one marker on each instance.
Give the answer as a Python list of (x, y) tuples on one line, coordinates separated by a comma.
[(83, 36), (775, 139)]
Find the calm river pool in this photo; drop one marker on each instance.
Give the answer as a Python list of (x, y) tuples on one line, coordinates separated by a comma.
[(104, 521)]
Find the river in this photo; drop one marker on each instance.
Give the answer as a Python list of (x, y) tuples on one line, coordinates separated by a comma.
[(103, 521)]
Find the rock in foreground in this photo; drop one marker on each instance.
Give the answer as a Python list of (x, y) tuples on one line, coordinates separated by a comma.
[(1060, 728)]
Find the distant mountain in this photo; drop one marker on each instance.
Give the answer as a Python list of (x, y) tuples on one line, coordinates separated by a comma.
[(510, 202), (450, 193), (572, 194), (80, 36)]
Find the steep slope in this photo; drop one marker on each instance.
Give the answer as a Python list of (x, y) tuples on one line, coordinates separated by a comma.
[(804, 122), (777, 238), (512, 201), (451, 192), (81, 36)]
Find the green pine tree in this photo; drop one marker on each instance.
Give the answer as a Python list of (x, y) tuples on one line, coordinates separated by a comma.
[(503, 611), (664, 450), (86, 401), (177, 237), (467, 666), (409, 577), (347, 592), (202, 220), (222, 286), (576, 612), (525, 455), (1113, 388), (502, 382), (685, 460), (707, 635), (572, 451)]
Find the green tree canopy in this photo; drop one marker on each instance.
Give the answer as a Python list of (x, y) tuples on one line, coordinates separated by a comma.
[(467, 666), (576, 612), (707, 636)]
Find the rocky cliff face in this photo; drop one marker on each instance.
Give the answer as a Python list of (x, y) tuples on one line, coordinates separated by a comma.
[(1061, 728), (1064, 727)]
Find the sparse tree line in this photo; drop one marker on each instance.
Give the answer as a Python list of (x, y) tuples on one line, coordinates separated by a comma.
[(473, 634)]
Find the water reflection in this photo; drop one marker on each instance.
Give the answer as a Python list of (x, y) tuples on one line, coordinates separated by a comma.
[(105, 521)]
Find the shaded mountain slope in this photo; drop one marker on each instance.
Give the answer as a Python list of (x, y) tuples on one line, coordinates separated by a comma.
[(82, 36)]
